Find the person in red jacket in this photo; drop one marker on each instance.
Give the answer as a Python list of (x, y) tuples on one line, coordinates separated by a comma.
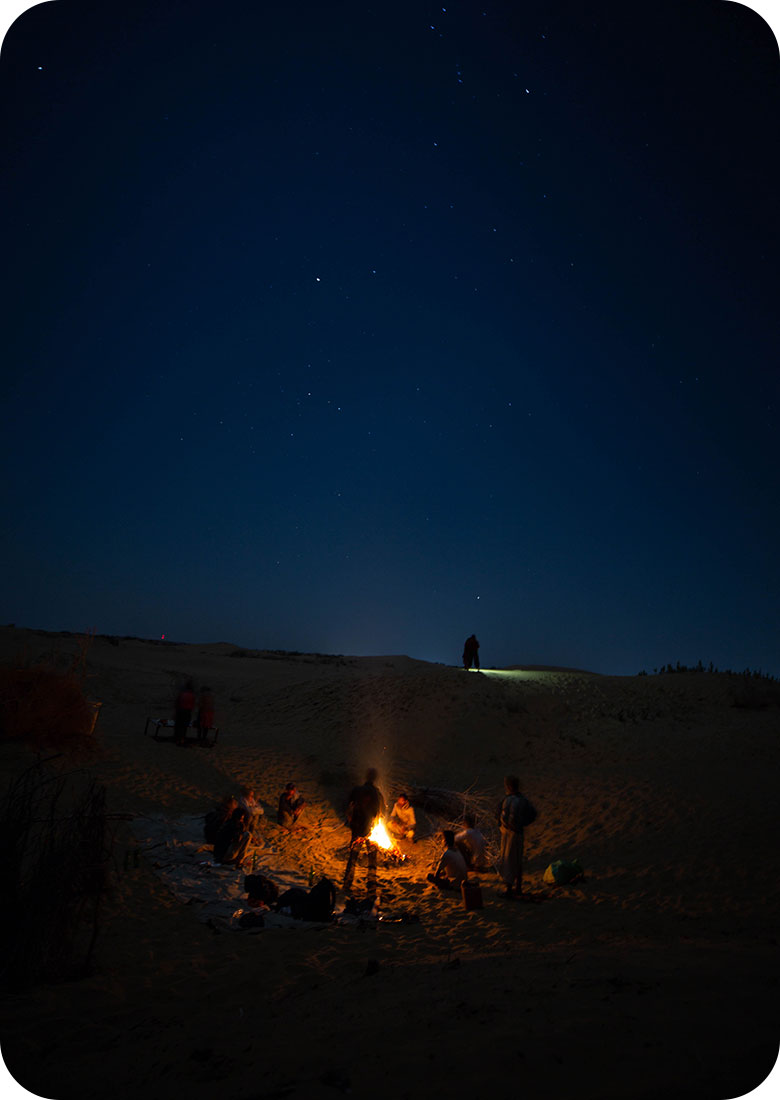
[(185, 703), (205, 718)]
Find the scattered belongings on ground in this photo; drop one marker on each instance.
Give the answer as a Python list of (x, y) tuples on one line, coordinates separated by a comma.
[(164, 729), (261, 890), (471, 891)]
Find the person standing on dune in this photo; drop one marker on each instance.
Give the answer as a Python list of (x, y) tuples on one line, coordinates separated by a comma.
[(471, 653)]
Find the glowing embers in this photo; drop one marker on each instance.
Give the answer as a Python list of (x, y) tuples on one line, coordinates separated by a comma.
[(380, 836)]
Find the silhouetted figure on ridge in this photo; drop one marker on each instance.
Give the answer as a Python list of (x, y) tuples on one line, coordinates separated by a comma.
[(471, 652)]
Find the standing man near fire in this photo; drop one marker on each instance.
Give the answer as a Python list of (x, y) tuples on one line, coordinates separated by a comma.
[(514, 813), (365, 805)]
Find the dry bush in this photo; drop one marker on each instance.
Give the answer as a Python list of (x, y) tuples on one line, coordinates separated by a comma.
[(45, 707), (55, 864), (446, 809)]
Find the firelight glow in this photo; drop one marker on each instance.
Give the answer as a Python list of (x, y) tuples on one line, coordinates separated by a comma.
[(380, 836)]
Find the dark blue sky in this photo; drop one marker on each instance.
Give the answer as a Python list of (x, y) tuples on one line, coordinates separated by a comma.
[(358, 328)]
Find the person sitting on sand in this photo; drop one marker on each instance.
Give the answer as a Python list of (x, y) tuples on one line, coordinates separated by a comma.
[(216, 818), (253, 809), (472, 845), (233, 838), (452, 869), (290, 806), (402, 821)]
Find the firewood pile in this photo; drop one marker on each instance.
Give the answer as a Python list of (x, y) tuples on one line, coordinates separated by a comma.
[(448, 808)]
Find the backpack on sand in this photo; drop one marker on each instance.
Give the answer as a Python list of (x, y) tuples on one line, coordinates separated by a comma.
[(251, 920), (562, 871), (293, 899), (529, 814), (260, 888), (320, 901)]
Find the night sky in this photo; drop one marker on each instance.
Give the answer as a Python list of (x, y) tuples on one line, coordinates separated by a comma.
[(355, 328)]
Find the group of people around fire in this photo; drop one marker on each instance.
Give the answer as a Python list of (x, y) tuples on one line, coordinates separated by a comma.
[(465, 851), (234, 822)]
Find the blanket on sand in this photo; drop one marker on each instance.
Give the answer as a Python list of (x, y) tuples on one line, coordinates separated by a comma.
[(176, 851)]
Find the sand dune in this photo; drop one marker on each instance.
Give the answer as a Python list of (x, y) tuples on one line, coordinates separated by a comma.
[(655, 976)]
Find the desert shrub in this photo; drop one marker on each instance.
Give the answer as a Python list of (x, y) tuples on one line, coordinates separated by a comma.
[(747, 674), (55, 861), (446, 809), (46, 707)]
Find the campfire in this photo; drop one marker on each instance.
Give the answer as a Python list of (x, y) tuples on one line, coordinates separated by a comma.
[(380, 836)]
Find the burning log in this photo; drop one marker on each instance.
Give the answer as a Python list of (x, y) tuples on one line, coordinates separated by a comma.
[(391, 853)]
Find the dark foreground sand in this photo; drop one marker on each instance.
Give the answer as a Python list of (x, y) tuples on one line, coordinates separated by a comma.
[(655, 977)]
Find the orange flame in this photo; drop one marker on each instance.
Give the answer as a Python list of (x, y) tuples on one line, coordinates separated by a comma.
[(380, 836)]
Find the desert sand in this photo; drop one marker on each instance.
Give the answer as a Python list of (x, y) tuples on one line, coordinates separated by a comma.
[(655, 976)]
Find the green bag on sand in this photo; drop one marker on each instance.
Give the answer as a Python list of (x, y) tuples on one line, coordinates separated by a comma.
[(562, 871)]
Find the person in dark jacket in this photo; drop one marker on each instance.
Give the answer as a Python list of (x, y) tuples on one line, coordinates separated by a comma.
[(232, 839), (471, 652), (365, 806), (514, 813), (216, 818), (249, 804)]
